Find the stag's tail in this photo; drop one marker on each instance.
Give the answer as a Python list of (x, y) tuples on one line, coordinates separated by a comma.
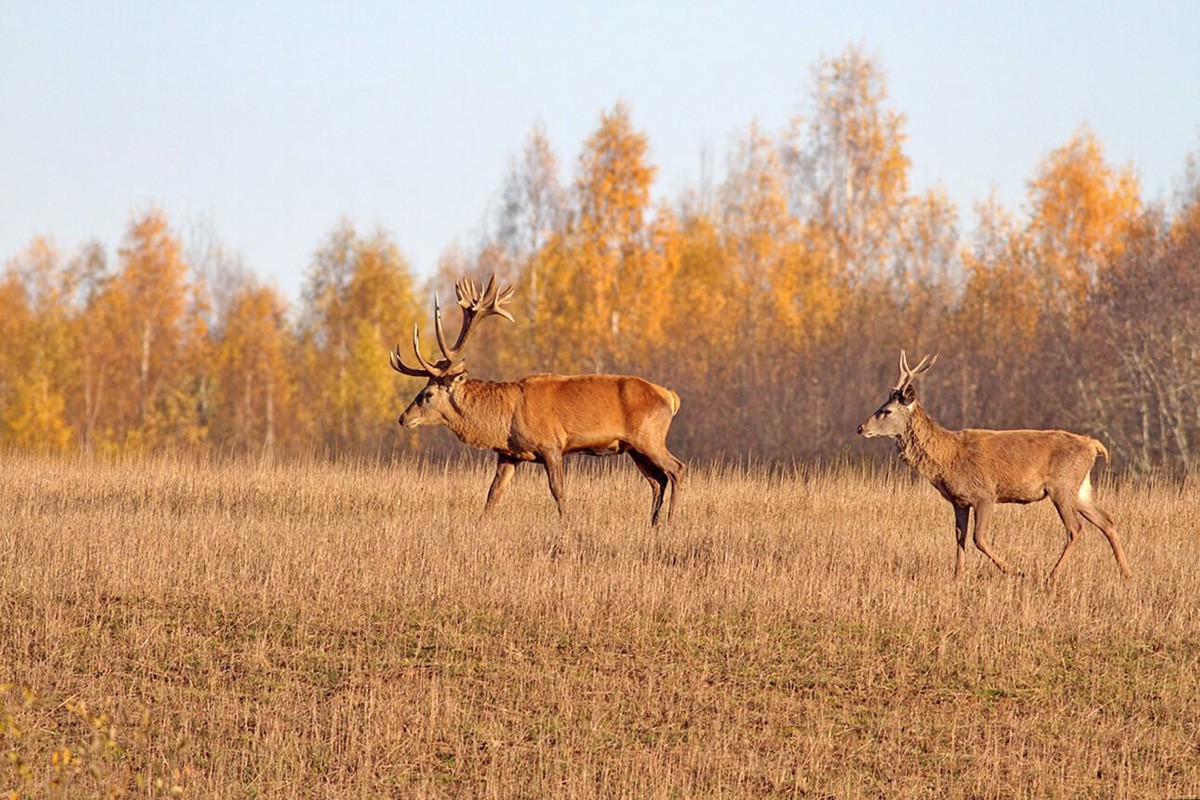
[(1100, 449), (673, 399)]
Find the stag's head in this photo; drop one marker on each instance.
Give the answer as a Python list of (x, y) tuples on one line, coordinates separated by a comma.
[(891, 418), (436, 401)]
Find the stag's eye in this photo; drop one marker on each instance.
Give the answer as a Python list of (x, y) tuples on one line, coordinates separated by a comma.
[(883, 412)]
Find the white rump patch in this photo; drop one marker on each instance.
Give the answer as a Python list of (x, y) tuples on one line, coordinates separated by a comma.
[(1085, 491)]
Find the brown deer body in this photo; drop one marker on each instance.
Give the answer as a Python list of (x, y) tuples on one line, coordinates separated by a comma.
[(976, 469), (543, 418)]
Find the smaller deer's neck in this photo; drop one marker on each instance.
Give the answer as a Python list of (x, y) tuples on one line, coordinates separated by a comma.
[(482, 413), (926, 446)]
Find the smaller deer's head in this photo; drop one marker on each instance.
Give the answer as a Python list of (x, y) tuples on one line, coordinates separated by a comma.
[(891, 418), (434, 404)]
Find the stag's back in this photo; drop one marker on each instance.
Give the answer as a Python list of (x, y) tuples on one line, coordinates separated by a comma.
[(598, 408)]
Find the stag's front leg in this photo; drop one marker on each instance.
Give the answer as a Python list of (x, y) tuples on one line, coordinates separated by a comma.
[(962, 517), (983, 516), (504, 471), (554, 474)]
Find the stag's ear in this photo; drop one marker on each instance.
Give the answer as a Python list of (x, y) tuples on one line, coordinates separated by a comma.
[(908, 395)]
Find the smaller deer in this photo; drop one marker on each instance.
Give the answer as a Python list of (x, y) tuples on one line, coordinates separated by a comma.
[(975, 469), (541, 418)]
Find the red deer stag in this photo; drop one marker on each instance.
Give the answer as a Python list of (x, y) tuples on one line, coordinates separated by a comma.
[(541, 418), (975, 469)]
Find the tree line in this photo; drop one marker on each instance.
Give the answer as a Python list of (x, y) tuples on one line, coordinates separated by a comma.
[(774, 301)]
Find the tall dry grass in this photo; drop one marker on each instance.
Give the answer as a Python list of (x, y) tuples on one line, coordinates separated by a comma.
[(307, 629)]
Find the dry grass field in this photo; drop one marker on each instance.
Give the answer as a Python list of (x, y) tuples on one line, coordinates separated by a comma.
[(332, 630)]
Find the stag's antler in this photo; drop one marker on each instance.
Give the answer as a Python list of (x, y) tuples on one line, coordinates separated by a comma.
[(475, 306), (398, 364), (907, 374)]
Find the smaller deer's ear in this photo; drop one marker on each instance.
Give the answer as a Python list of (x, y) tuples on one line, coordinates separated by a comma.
[(908, 395)]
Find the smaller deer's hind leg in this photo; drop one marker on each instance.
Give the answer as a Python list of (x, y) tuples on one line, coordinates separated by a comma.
[(983, 517), (1095, 515), (657, 479), (1070, 519)]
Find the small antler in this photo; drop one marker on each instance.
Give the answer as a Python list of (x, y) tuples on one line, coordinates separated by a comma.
[(475, 306), (907, 374)]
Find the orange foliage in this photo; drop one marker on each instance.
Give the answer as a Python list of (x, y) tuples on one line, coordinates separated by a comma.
[(774, 291), (255, 382), (1083, 212), (359, 297)]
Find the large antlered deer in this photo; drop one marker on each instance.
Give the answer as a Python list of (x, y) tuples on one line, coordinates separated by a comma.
[(975, 469), (541, 418)]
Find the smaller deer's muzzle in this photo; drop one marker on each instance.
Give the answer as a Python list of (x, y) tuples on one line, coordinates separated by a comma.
[(870, 429)]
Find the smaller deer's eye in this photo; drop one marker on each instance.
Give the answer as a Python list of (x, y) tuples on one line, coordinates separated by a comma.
[(883, 412)]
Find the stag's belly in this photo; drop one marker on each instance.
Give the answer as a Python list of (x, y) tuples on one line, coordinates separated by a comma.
[(611, 448), (594, 446), (1021, 493)]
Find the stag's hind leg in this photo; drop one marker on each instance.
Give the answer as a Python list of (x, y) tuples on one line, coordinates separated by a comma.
[(657, 479), (674, 469), (1095, 515)]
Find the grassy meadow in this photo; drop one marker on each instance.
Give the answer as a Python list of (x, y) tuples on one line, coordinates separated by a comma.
[(174, 627)]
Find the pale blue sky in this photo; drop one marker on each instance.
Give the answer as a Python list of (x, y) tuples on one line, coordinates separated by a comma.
[(274, 120)]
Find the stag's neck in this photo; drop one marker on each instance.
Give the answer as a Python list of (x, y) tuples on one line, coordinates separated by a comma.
[(927, 447), (484, 414)]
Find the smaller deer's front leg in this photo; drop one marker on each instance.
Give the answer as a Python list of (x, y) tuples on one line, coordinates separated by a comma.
[(505, 467), (983, 516), (962, 517)]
